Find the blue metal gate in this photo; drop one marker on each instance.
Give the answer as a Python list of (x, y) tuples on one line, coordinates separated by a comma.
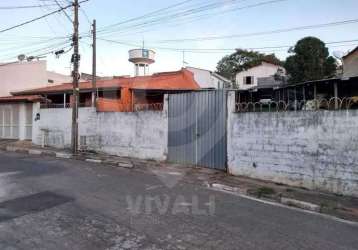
[(197, 129)]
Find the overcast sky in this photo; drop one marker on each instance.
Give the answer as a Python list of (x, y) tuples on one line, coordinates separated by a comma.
[(229, 17)]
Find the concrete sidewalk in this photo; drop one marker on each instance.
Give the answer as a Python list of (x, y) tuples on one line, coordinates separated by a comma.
[(331, 204)]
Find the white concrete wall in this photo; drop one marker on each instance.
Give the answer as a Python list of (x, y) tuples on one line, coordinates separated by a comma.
[(316, 150), (21, 76), (350, 65), (57, 78), (263, 70), (27, 75), (206, 79), (140, 134)]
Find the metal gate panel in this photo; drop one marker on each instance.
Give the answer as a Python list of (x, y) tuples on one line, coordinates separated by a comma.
[(28, 122), (197, 129), (9, 121), (211, 129), (181, 137)]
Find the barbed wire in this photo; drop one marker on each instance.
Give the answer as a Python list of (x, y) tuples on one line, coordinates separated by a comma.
[(333, 103)]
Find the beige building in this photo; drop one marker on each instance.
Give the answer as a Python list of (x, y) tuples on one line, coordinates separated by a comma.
[(209, 80), (249, 79), (350, 64), (18, 76)]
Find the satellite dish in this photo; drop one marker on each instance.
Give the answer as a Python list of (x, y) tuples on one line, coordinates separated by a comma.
[(21, 57), (338, 54), (30, 58)]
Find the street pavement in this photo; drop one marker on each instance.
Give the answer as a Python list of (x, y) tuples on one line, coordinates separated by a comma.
[(49, 203)]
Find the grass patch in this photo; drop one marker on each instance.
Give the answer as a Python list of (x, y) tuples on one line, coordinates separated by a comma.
[(265, 191)]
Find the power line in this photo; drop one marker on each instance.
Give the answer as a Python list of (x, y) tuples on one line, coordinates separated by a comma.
[(39, 18), (146, 15), (217, 50), (25, 7), (351, 21), (44, 49), (170, 17), (64, 12)]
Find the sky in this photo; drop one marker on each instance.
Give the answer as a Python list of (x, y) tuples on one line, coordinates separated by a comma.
[(213, 18)]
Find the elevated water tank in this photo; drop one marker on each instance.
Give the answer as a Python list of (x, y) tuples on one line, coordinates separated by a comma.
[(141, 58)]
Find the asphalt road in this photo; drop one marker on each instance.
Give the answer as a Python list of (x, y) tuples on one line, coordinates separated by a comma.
[(46, 203)]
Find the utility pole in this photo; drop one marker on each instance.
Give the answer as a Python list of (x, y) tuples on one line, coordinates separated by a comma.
[(75, 74), (94, 65)]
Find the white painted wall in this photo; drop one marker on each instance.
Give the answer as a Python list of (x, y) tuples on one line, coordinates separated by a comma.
[(57, 78), (350, 65), (27, 75), (263, 70), (311, 149), (140, 134), (20, 76), (206, 79)]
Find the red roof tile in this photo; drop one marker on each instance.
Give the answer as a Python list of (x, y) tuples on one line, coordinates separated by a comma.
[(177, 80), (21, 98)]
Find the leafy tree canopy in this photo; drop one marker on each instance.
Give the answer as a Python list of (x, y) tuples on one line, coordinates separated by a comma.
[(242, 60), (310, 60)]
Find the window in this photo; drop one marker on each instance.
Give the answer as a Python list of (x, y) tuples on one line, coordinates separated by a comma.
[(248, 80), (50, 81)]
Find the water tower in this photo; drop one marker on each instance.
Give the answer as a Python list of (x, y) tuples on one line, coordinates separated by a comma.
[(141, 58)]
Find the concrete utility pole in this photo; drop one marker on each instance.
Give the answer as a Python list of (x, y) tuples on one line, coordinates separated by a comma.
[(75, 74), (94, 65)]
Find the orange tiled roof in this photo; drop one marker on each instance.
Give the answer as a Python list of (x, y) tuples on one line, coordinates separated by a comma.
[(21, 98), (177, 80)]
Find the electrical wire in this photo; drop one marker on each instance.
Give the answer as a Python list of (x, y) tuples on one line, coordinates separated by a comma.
[(219, 50), (170, 17), (24, 7), (209, 38), (38, 18)]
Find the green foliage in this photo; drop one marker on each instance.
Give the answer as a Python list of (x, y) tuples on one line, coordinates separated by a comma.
[(265, 191), (310, 61), (242, 60)]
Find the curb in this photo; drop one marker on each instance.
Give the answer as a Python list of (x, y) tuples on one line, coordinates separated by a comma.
[(300, 204), (285, 201), (93, 160), (125, 164), (63, 155), (34, 152)]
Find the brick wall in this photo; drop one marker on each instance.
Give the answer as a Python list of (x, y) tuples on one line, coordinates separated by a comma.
[(316, 150)]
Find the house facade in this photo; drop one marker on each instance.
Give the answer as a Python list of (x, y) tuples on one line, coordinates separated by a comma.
[(251, 78), (120, 94), (209, 80), (350, 64)]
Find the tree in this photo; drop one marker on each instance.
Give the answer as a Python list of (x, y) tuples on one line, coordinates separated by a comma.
[(310, 61), (242, 60)]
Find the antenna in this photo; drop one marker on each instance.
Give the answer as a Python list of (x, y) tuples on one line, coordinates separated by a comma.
[(21, 57), (184, 62), (338, 54)]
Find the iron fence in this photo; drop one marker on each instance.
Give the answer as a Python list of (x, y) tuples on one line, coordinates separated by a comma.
[(303, 105), (61, 105)]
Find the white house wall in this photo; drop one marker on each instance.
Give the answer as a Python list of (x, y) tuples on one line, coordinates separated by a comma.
[(21, 76), (350, 65), (206, 79), (28, 75), (264, 70)]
